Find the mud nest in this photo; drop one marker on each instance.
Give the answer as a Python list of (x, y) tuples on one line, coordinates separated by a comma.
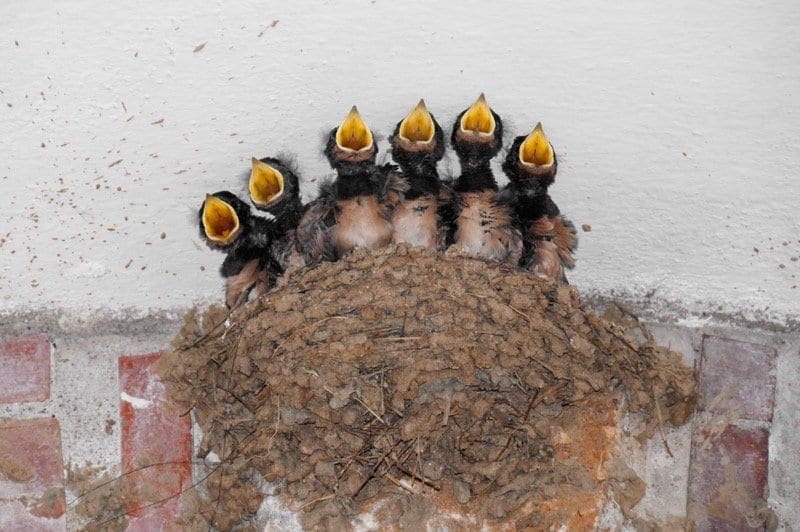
[(426, 381)]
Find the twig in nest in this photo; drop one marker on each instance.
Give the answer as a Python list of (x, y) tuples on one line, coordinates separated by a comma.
[(160, 501), (318, 499), (238, 399), (376, 333), (528, 318), (129, 473), (219, 483), (383, 409), (277, 424), (409, 348), (660, 422), (400, 461), (447, 400), (473, 294), (371, 411), (399, 338), (380, 371), (402, 483), (639, 325), (419, 457), (222, 351), (621, 336), (426, 481), (307, 327), (373, 470), (356, 456), (535, 402), (544, 365), (518, 383), (228, 326), (245, 444), (203, 336), (539, 397), (485, 489), (405, 454)]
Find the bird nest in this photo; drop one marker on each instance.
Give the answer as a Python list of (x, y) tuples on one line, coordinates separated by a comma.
[(412, 386)]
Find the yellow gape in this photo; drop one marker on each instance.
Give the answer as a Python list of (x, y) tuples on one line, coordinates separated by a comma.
[(536, 149), (220, 221), (353, 134), (418, 125), (478, 118), (266, 183)]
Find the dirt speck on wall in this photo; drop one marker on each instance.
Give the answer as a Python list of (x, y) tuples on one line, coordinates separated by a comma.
[(407, 387)]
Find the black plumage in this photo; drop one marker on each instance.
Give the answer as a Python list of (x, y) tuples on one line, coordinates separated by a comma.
[(484, 223), (420, 218), (550, 238), (354, 209), (255, 248), (274, 187)]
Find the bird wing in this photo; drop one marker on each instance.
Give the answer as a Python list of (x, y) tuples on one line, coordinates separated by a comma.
[(542, 221), (554, 240), (566, 240), (547, 263), (391, 184), (313, 235), (251, 276)]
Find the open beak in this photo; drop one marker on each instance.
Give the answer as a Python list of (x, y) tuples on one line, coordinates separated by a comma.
[(220, 221), (478, 119), (353, 135), (536, 149), (266, 184), (418, 125)]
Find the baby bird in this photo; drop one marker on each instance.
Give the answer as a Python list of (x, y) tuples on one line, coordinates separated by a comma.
[(484, 223), (550, 238), (275, 188), (355, 209), (251, 245), (417, 145)]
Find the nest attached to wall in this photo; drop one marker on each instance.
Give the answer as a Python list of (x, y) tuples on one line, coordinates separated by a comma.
[(411, 382)]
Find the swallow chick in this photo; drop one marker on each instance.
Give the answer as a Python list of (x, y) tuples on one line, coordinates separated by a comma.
[(550, 238), (250, 244), (417, 146), (484, 223), (274, 187), (355, 209)]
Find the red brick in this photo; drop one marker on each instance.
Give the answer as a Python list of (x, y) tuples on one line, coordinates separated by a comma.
[(25, 363), (727, 478), (737, 379), (31, 476), (154, 433)]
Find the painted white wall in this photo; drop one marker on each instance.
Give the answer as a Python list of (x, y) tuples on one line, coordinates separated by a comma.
[(676, 123)]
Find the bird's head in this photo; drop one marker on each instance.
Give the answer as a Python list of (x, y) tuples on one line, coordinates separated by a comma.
[(351, 143), (477, 133), (531, 161), (272, 184), (222, 218), (418, 139)]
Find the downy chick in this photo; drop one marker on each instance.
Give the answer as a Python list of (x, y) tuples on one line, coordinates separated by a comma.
[(417, 146), (355, 209), (484, 223), (550, 238)]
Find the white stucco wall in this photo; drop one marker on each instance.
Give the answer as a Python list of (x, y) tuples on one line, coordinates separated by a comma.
[(677, 126)]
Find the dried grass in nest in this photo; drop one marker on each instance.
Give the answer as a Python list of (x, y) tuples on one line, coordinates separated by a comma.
[(400, 371)]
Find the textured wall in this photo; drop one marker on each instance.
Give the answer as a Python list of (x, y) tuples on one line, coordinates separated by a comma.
[(676, 125)]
